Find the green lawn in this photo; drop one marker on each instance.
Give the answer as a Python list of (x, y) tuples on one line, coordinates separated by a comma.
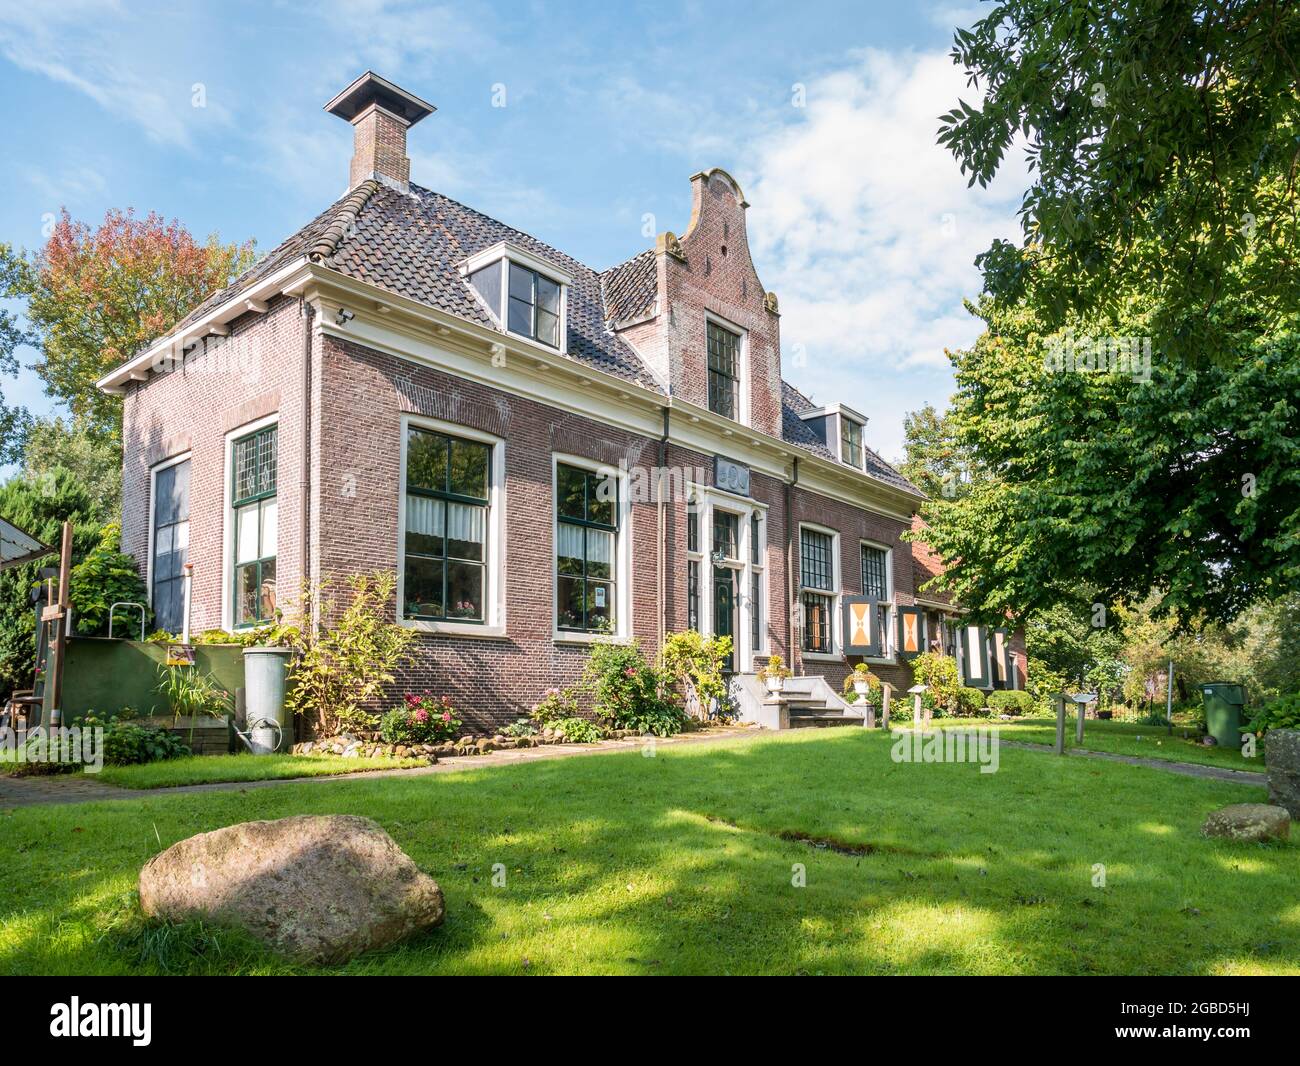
[(201, 769), (683, 863), (1122, 738)]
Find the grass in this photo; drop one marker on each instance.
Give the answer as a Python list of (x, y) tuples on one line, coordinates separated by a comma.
[(687, 862), (203, 769), (1122, 738)]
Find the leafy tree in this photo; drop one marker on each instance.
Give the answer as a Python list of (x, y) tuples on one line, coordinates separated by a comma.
[(13, 421), (39, 508), (94, 457), (105, 577), (1163, 140), (934, 461), (1188, 482), (96, 296)]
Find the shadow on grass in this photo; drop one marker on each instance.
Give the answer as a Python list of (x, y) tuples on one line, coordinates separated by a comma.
[(706, 859)]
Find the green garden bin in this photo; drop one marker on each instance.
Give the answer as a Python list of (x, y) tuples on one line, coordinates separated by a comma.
[(1223, 704)]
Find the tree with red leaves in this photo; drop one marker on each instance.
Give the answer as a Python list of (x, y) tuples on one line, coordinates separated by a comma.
[(95, 297)]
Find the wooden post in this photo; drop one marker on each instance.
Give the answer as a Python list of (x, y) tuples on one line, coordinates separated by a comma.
[(1078, 725), (59, 646), (886, 697), (1060, 723), (1169, 698)]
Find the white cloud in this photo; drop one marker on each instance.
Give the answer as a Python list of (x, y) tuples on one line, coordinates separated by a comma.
[(97, 48), (866, 230)]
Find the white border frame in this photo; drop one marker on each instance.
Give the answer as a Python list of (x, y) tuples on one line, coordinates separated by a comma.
[(837, 625), (623, 627), (175, 460), (744, 507), (503, 254), (228, 515), (494, 572)]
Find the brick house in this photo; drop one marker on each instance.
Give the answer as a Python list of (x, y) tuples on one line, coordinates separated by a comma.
[(541, 452)]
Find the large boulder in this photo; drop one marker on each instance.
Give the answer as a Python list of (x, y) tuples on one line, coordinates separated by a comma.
[(315, 888), (1282, 758), (1248, 821)]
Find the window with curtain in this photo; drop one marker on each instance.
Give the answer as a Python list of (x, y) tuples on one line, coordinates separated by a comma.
[(447, 499), (724, 370), (171, 542), (586, 533), (254, 506), (817, 590)]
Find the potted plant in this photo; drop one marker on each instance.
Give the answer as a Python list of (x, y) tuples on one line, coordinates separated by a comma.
[(863, 684), (773, 675)]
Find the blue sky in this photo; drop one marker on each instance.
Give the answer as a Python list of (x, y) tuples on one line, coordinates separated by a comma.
[(863, 228)]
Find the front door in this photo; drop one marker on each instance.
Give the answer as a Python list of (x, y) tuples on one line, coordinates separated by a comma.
[(724, 611)]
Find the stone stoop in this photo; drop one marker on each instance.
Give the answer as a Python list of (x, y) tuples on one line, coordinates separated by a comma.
[(807, 702)]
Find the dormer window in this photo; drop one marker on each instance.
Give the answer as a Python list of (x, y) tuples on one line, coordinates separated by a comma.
[(524, 293), (850, 441), (534, 306)]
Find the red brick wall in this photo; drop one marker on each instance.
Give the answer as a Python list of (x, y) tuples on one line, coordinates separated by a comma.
[(718, 276), (222, 385)]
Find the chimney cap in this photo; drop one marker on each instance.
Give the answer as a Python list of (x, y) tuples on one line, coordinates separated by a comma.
[(369, 89)]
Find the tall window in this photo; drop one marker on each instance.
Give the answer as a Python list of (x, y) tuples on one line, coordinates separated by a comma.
[(726, 534), (817, 583), (756, 582), (586, 506), (693, 566), (255, 514), (171, 542), (724, 370), (851, 441), (446, 527), (875, 583), (534, 306)]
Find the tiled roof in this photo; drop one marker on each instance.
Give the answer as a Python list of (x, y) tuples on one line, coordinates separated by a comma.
[(414, 245), (795, 430), (631, 288)]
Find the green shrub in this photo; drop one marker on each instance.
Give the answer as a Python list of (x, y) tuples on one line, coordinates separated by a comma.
[(422, 720), (690, 657), (342, 668), (626, 690), (1281, 713), (105, 577), (579, 730), (555, 704), (126, 743), (970, 702), (1008, 701), (191, 693), (938, 673), (521, 727)]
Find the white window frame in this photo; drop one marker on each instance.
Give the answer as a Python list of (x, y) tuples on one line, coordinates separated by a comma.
[(890, 635), (154, 471), (494, 573), (503, 254), (861, 464), (622, 552), (837, 594), (743, 507), (742, 367), (228, 517)]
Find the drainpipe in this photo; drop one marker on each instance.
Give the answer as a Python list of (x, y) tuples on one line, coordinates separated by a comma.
[(662, 576), (304, 484), (789, 557)]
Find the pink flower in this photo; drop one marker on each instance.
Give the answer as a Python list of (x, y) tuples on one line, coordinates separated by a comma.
[(446, 716), (630, 672), (421, 715)]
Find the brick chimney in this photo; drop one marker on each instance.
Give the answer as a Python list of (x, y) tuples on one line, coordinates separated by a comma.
[(380, 113)]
